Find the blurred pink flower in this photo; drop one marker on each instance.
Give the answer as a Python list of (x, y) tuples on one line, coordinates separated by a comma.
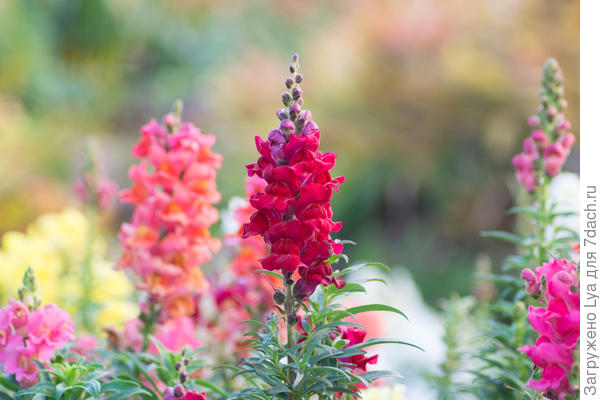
[(48, 328), (176, 333), (173, 191)]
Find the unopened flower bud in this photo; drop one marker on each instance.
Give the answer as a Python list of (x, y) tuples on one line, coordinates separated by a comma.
[(37, 301), (286, 126), (278, 297), (182, 377), (296, 93), (289, 82), (294, 110), (300, 101), (552, 111), (292, 319), (534, 121), (286, 98), (532, 283), (298, 78), (178, 391), (295, 58), (564, 126), (306, 115), (292, 69), (178, 366), (186, 361), (567, 141), (282, 114)]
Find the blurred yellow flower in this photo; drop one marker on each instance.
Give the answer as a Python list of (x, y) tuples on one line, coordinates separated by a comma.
[(395, 392), (70, 267)]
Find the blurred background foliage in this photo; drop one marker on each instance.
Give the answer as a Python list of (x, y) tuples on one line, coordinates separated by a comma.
[(425, 101)]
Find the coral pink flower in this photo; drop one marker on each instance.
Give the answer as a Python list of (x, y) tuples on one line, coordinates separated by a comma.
[(48, 328), (173, 191), (293, 213)]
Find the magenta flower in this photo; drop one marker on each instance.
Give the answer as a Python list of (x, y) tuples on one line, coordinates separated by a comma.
[(550, 136), (557, 322), (556, 361)]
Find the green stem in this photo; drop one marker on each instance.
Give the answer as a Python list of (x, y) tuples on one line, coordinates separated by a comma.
[(87, 278), (289, 311)]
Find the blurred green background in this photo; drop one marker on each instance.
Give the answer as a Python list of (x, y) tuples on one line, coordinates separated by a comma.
[(425, 102)]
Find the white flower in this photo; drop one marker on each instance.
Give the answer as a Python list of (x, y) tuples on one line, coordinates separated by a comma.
[(395, 392)]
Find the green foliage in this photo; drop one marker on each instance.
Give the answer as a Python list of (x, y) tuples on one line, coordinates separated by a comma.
[(312, 364)]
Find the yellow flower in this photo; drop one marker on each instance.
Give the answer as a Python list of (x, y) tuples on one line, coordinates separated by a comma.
[(70, 267), (395, 392)]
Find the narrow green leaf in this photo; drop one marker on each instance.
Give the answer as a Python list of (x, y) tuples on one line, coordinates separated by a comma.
[(374, 341), (211, 386), (375, 307), (361, 266), (523, 210), (506, 236), (266, 271)]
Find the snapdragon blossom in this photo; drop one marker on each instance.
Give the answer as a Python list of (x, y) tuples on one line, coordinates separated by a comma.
[(557, 322), (293, 214), (550, 142), (28, 335), (173, 191)]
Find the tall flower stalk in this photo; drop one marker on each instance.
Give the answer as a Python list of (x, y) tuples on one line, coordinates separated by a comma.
[(504, 369), (293, 214), (322, 354), (168, 238)]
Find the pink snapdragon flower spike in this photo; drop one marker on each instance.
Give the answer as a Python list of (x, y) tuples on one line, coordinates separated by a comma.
[(173, 192), (293, 214), (557, 322), (548, 146)]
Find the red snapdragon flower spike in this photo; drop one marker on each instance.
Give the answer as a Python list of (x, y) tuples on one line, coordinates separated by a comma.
[(547, 148), (293, 213), (557, 322), (173, 191)]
